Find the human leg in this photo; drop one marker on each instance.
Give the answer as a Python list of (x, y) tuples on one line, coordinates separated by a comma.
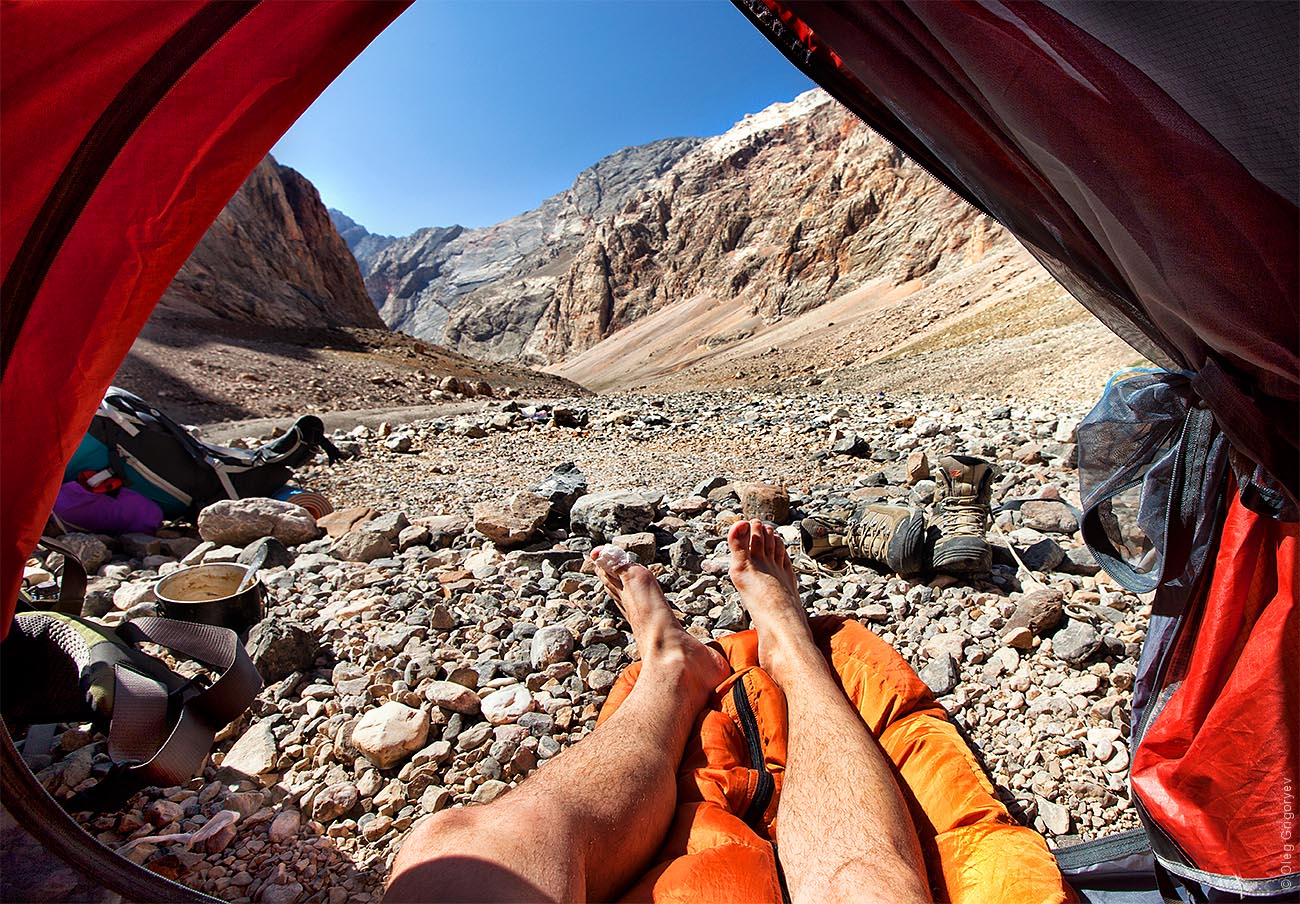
[(586, 824), (844, 829)]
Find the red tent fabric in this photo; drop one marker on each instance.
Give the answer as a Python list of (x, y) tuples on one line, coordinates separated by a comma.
[(124, 129)]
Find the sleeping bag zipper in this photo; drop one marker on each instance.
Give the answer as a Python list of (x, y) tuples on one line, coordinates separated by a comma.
[(753, 742), (766, 784)]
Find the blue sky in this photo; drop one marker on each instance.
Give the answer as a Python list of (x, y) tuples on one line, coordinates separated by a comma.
[(472, 112)]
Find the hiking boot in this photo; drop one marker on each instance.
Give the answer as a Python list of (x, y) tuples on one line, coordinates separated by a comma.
[(887, 534), (961, 515)]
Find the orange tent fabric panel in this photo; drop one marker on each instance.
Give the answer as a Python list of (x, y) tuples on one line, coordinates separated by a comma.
[(974, 851)]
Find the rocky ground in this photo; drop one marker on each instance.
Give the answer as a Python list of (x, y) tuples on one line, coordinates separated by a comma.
[(442, 638), (205, 370)]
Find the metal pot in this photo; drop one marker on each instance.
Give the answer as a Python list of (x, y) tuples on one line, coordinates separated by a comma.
[(211, 595)]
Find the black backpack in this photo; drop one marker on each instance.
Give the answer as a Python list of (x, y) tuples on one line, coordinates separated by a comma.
[(157, 457)]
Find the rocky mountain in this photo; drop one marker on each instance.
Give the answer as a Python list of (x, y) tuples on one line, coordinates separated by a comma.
[(506, 274), (363, 244), (793, 207), (273, 257)]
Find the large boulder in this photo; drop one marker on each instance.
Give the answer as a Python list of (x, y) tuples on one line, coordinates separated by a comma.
[(238, 522), (603, 516), (513, 522)]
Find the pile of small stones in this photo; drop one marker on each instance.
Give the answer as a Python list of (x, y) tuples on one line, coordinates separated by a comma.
[(442, 635)]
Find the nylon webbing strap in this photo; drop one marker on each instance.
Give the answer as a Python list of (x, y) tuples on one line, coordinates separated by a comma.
[(139, 719), (179, 756), (72, 583)]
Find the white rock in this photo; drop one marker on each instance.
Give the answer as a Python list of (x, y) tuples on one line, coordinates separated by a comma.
[(239, 522), (1056, 819), (255, 753), (507, 704), (1101, 741), (387, 734), (551, 644), (1118, 761), (129, 595)]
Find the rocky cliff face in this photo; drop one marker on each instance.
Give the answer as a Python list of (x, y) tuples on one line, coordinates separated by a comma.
[(510, 269), (273, 257), (793, 207)]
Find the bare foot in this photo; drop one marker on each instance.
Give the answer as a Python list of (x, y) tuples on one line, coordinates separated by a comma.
[(664, 645), (761, 571)]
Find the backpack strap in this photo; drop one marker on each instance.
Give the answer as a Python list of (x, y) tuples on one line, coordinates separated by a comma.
[(72, 582), (144, 750), (211, 709), (59, 833)]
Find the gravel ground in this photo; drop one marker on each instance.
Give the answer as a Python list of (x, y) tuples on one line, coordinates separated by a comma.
[(445, 640)]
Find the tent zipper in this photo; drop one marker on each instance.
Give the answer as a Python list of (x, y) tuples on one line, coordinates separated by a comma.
[(114, 129)]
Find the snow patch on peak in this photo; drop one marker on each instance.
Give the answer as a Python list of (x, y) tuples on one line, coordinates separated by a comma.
[(774, 117)]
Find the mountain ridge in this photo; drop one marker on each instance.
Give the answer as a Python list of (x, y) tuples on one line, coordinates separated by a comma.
[(791, 208)]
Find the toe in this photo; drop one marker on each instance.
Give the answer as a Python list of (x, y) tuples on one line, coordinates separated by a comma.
[(757, 542), (639, 578), (612, 584), (738, 541)]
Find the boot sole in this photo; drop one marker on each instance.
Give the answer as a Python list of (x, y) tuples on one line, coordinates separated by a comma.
[(906, 553), (962, 556)]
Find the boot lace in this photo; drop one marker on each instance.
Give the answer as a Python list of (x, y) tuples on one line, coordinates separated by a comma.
[(869, 537), (962, 517)]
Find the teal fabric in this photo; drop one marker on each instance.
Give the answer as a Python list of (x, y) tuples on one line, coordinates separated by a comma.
[(92, 455)]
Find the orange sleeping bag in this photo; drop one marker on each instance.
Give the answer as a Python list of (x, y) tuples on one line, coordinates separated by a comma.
[(720, 846)]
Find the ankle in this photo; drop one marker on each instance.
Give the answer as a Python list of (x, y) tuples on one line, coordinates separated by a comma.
[(790, 657)]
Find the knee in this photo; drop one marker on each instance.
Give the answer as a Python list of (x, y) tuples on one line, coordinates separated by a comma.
[(449, 830), (467, 830), (436, 845)]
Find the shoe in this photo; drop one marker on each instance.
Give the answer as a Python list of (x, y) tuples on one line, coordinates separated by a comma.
[(961, 515), (886, 534)]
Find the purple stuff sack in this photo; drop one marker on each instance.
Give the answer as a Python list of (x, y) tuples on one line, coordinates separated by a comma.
[(122, 512)]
